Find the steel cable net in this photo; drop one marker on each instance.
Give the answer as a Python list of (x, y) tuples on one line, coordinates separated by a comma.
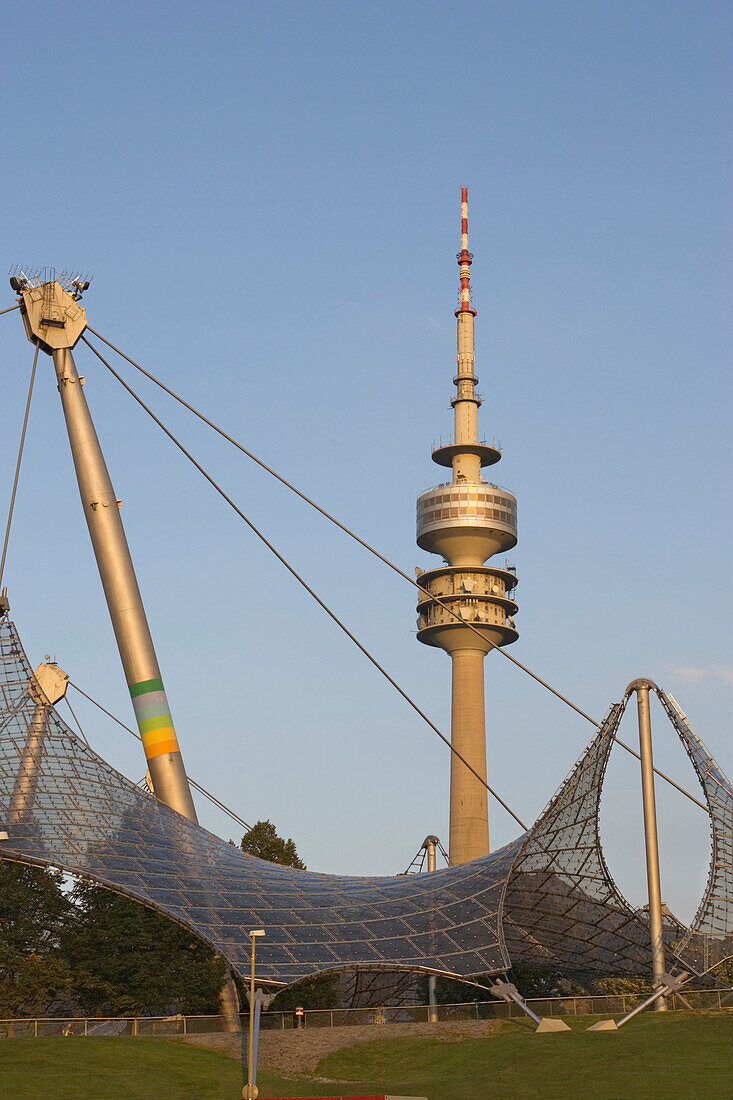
[(561, 904), (545, 900), (709, 940), (62, 805)]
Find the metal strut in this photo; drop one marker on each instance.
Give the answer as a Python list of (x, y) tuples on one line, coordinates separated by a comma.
[(54, 322)]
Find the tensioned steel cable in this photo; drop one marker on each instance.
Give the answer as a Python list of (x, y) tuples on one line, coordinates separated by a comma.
[(301, 580), (17, 465), (372, 550), (202, 790), (78, 723), (337, 523), (207, 794)]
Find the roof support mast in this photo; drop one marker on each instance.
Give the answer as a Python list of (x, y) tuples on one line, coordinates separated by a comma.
[(55, 321)]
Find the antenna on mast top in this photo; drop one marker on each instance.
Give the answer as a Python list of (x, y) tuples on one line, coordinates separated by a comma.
[(73, 282)]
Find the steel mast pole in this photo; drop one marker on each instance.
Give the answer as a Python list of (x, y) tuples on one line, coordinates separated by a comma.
[(641, 687), (54, 321), (430, 845), (122, 593)]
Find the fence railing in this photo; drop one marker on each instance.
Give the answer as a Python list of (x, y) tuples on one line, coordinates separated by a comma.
[(171, 1026)]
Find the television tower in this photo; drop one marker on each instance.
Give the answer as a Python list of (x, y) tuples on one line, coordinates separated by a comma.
[(467, 521)]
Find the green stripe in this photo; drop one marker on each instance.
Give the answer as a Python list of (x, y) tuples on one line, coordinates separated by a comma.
[(162, 722), (145, 686)]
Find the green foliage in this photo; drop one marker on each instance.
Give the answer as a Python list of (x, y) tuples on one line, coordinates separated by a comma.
[(724, 972), (637, 986), (449, 991), (33, 909), (529, 981), (320, 992), (31, 984), (263, 841), (94, 953), (129, 960), (545, 983)]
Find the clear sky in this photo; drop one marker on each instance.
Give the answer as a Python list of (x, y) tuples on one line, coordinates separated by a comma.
[(267, 197)]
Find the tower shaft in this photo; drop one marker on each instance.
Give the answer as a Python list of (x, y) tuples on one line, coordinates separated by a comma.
[(469, 818), (466, 521)]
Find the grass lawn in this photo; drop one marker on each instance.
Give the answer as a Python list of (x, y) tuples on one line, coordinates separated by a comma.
[(681, 1056), (124, 1069), (677, 1055)]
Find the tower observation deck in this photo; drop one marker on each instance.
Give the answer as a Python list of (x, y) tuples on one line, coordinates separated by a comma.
[(467, 521)]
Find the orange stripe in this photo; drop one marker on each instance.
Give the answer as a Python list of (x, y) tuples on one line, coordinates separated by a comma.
[(160, 748)]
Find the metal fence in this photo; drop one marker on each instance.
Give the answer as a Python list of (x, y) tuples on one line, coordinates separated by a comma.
[(171, 1026)]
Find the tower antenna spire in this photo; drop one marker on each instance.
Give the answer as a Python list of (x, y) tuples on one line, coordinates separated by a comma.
[(465, 259), (466, 521)]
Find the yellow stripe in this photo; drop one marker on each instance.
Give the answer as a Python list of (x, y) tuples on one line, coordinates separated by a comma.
[(153, 737)]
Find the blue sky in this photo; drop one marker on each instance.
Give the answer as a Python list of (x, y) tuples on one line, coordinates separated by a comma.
[(267, 196)]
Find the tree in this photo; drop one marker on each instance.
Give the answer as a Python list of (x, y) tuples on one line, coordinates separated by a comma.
[(640, 986), (33, 909), (264, 841), (129, 960), (452, 991)]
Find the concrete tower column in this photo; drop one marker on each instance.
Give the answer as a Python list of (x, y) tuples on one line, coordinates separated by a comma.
[(469, 821), (466, 521)]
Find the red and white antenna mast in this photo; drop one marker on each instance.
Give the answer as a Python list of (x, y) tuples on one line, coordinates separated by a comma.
[(465, 258)]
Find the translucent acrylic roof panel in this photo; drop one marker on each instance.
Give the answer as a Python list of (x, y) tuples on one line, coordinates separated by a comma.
[(63, 805), (546, 900), (561, 904), (710, 939)]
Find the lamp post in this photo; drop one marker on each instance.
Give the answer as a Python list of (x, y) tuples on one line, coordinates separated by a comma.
[(251, 1090)]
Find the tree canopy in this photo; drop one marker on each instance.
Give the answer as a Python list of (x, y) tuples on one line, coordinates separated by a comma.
[(264, 841), (90, 952), (81, 949), (129, 960), (33, 913)]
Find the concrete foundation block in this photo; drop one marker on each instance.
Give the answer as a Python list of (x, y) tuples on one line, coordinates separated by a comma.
[(548, 1024), (603, 1025)]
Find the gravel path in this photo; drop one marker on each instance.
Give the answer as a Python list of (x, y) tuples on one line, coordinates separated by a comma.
[(299, 1052)]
